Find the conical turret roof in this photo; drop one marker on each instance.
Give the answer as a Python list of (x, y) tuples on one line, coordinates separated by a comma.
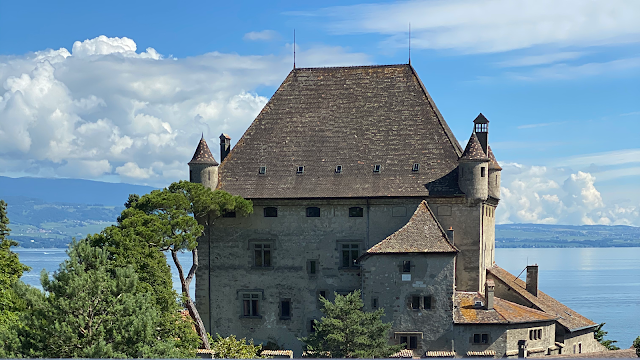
[(473, 151), (493, 163), (203, 154), (422, 234)]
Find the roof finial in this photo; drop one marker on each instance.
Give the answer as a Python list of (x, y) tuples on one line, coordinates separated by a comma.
[(409, 43), (202, 137), (294, 48)]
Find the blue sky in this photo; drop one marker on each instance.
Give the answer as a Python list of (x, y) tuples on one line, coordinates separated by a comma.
[(120, 91)]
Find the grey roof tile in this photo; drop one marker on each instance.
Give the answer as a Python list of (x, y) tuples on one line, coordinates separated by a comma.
[(203, 155), (493, 163), (473, 151)]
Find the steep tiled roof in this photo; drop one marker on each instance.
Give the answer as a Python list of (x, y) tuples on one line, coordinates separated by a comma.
[(203, 154), (422, 234), (493, 163), (566, 317), (504, 312), (473, 151), (356, 117)]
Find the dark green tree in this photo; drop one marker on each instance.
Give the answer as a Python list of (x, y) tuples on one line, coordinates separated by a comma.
[(92, 309), (599, 335), (172, 219), (346, 331), (232, 348), (636, 344), (10, 272)]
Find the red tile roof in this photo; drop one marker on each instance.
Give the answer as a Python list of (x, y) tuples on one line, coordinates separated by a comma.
[(504, 312)]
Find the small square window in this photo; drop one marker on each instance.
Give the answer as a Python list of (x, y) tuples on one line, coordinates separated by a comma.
[(406, 266), (312, 267), (270, 211), (415, 302), (300, 170), (427, 302), (416, 167), (285, 309), (229, 214), (313, 212), (338, 169), (356, 211), (262, 170), (376, 168)]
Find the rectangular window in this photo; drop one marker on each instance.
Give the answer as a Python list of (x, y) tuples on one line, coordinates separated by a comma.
[(482, 171), (411, 341), (262, 170), (415, 302), (480, 338), (300, 170), (427, 302), (406, 266), (355, 211), (415, 167), (270, 211), (262, 255), (312, 267), (350, 253), (374, 303), (579, 348), (285, 309), (250, 304), (376, 168), (313, 211), (338, 169)]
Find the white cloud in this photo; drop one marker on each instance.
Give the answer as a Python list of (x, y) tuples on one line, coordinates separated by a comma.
[(481, 26), (620, 67), (541, 59), (264, 35), (533, 194), (104, 110)]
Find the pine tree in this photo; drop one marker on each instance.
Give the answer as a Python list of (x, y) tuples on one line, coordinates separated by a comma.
[(346, 331), (599, 335)]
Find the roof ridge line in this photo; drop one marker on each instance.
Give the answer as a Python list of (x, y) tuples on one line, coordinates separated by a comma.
[(347, 67)]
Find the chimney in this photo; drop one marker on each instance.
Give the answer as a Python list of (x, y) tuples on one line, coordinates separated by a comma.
[(489, 289), (532, 279), (481, 129), (225, 146), (450, 235)]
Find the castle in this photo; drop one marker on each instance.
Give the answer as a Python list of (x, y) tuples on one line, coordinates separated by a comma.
[(358, 183)]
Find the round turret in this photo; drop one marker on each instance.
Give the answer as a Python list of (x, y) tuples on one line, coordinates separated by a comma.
[(473, 170), (203, 168), (494, 176)]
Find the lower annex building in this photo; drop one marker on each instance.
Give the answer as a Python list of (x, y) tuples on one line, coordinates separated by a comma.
[(358, 183)]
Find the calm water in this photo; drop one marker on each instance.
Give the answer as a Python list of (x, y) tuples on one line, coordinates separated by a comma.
[(602, 284)]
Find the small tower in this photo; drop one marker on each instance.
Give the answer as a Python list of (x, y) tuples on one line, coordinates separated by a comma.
[(473, 170), (225, 146), (494, 176), (203, 168), (481, 128)]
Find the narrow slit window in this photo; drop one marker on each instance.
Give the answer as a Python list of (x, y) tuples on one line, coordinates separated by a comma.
[(312, 267), (482, 171), (376, 168), (427, 302), (262, 170), (338, 169), (300, 170), (374, 303), (416, 167)]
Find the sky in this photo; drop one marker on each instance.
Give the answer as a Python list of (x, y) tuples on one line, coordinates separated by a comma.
[(121, 91)]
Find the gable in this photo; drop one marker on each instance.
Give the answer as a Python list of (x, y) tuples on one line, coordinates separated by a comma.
[(355, 117)]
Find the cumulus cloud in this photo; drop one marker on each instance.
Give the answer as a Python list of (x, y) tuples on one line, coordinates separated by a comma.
[(104, 110), (485, 26), (264, 35), (543, 195)]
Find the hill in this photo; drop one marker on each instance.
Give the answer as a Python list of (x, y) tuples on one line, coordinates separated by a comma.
[(551, 236)]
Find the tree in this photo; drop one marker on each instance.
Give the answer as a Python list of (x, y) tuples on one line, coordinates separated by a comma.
[(346, 331), (10, 272), (599, 335), (232, 348), (172, 219), (92, 309), (636, 344)]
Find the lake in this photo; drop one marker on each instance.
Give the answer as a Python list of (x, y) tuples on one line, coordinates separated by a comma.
[(602, 284)]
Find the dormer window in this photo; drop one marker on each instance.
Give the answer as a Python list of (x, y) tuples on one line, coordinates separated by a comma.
[(300, 170), (416, 167), (338, 169), (376, 168), (262, 170)]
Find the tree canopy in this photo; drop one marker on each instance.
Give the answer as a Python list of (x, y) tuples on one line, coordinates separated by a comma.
[(346, 331), (599, 335)]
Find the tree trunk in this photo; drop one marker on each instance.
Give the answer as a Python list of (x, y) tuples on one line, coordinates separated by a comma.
[(188, 303)]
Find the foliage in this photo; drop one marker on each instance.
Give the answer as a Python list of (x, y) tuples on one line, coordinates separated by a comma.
[(92, 309), (636, 344), (346, 331), (10, 302), (232, 348), (599, 335)]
